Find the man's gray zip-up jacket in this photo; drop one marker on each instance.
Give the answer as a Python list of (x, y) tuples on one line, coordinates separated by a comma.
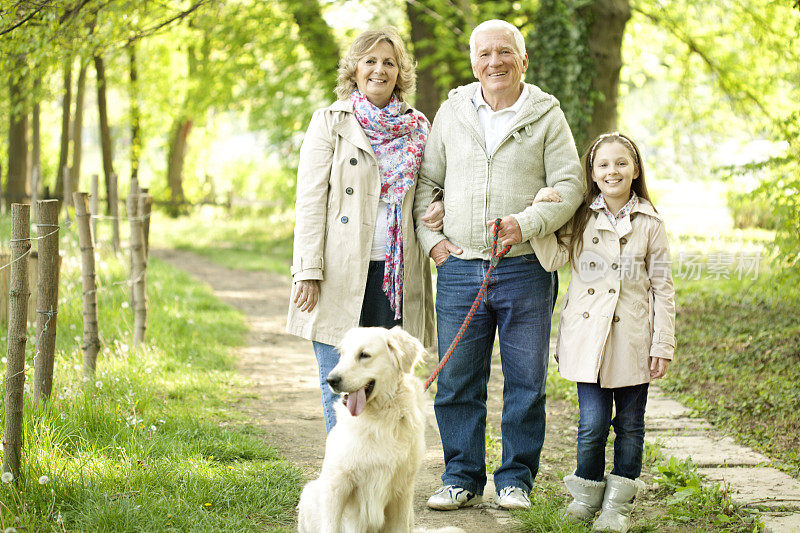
[(537, 151)]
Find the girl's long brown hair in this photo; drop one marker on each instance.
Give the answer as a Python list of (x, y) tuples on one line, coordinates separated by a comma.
[(582, 215)]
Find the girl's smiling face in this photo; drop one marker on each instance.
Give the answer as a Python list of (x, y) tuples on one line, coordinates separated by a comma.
[(613, 170)]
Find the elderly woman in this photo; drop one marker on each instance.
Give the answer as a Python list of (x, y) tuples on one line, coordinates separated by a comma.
[(356, 257)]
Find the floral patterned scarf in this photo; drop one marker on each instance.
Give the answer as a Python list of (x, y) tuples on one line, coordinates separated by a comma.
[(398, 141)]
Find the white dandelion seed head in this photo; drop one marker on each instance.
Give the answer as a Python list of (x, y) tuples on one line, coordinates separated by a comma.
[(153, 428), (7, 477), (148, 370), (125, 305), (4, 360), (98, 384), (43, 480)]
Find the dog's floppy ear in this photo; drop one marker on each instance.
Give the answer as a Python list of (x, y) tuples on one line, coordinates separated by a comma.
[(405, 348)]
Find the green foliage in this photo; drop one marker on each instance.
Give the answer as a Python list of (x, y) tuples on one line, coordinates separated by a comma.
[(560, 62), (150, 442), (691, 500), (738, 352)]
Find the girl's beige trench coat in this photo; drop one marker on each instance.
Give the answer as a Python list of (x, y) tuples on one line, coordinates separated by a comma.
[(619, 309), (337, 202)]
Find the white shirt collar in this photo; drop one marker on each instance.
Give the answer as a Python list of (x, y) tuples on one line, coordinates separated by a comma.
[(478, 101)]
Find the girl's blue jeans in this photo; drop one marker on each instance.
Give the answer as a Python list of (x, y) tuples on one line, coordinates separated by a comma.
[(595, 404), (375, 311)]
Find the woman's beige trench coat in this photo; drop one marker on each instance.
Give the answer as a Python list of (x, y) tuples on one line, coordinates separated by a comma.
[(620, 309), (337, 202)]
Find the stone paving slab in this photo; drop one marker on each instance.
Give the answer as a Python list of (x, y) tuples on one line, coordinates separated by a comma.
[(782, 523), (706, 450), (758, 486), (659, 406), (682, 424)]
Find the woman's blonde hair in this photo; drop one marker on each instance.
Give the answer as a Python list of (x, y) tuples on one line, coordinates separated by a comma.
[(406, 77)]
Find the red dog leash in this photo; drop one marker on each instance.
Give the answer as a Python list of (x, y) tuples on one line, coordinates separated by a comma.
[(496, 256)]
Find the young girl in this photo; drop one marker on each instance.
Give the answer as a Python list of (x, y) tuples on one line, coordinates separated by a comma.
[(616, 332)]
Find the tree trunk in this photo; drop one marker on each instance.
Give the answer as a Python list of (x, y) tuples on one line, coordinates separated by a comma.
[(17, 336), (136, 141), (91, 340), (605, 47), (77, 130), (428, 94), (318, 38), (178, 146), (66, 103), (17, 186), (105, 131), (36, 146), (47, 299), (132, 204)]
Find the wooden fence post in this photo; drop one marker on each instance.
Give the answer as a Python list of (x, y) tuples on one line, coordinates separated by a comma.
[(91, 340), (17, 336), (93, 206), (35, 192), (132, 204), (47, 299), (113, 202), (139, 275)]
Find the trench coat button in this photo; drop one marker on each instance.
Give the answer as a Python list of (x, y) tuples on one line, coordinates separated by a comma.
[(623, 241), (585, 315), (353, 161), (616, 318), (344, 220), (349, 190), (591, 291), (611, 291), (592, 264), (595, 240), (614, 266)]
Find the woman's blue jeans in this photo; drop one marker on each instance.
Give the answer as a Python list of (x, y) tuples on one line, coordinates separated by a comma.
[(595, 405), (518, 306), (375, 311)]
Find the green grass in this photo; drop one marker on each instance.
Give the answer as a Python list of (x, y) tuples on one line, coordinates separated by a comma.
[(738, 361), (249, 242), (151, 443)]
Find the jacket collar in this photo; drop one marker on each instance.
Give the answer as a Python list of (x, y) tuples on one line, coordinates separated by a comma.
[(535, 106), (349, 128), (623, 228)]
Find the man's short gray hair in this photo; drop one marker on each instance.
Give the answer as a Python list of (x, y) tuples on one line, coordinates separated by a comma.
[(496, 24)]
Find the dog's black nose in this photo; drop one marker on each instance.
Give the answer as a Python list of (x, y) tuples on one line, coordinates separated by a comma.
[(334, 381)]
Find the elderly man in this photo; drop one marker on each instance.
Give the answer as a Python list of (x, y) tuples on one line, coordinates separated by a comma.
[(492, 146)]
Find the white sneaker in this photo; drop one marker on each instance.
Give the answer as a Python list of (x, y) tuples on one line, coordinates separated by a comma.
[(451, 497), (513, 498)]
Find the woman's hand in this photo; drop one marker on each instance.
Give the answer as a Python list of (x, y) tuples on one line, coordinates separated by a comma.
[(547, 194), (658, 367), (306, 295), (433, 219)]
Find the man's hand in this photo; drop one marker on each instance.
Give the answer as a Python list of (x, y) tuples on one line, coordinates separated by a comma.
[(434, 216), (509, 233), (442, 251), (547, 194), (306, 295), (658, 367)]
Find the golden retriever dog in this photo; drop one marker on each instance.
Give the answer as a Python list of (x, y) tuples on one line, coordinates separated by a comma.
[(373, 453)]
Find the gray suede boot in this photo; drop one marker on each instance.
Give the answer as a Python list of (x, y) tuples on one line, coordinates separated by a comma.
[(587, 494), (617, 504)]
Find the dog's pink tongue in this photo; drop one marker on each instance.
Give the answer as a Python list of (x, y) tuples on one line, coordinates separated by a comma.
[(356, 401)]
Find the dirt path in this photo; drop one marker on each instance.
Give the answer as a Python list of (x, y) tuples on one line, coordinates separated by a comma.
[(286, 401)]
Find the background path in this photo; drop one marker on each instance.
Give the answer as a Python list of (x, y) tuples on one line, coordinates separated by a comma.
[(284, 402)]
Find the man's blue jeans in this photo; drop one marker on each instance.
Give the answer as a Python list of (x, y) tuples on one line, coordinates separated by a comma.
[(518, 305), (595, 404), (375, 311)]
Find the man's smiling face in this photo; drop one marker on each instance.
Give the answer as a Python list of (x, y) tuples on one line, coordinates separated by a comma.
[(498, 65)]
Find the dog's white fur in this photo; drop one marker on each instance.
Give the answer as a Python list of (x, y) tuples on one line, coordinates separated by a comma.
[(371, 460)]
